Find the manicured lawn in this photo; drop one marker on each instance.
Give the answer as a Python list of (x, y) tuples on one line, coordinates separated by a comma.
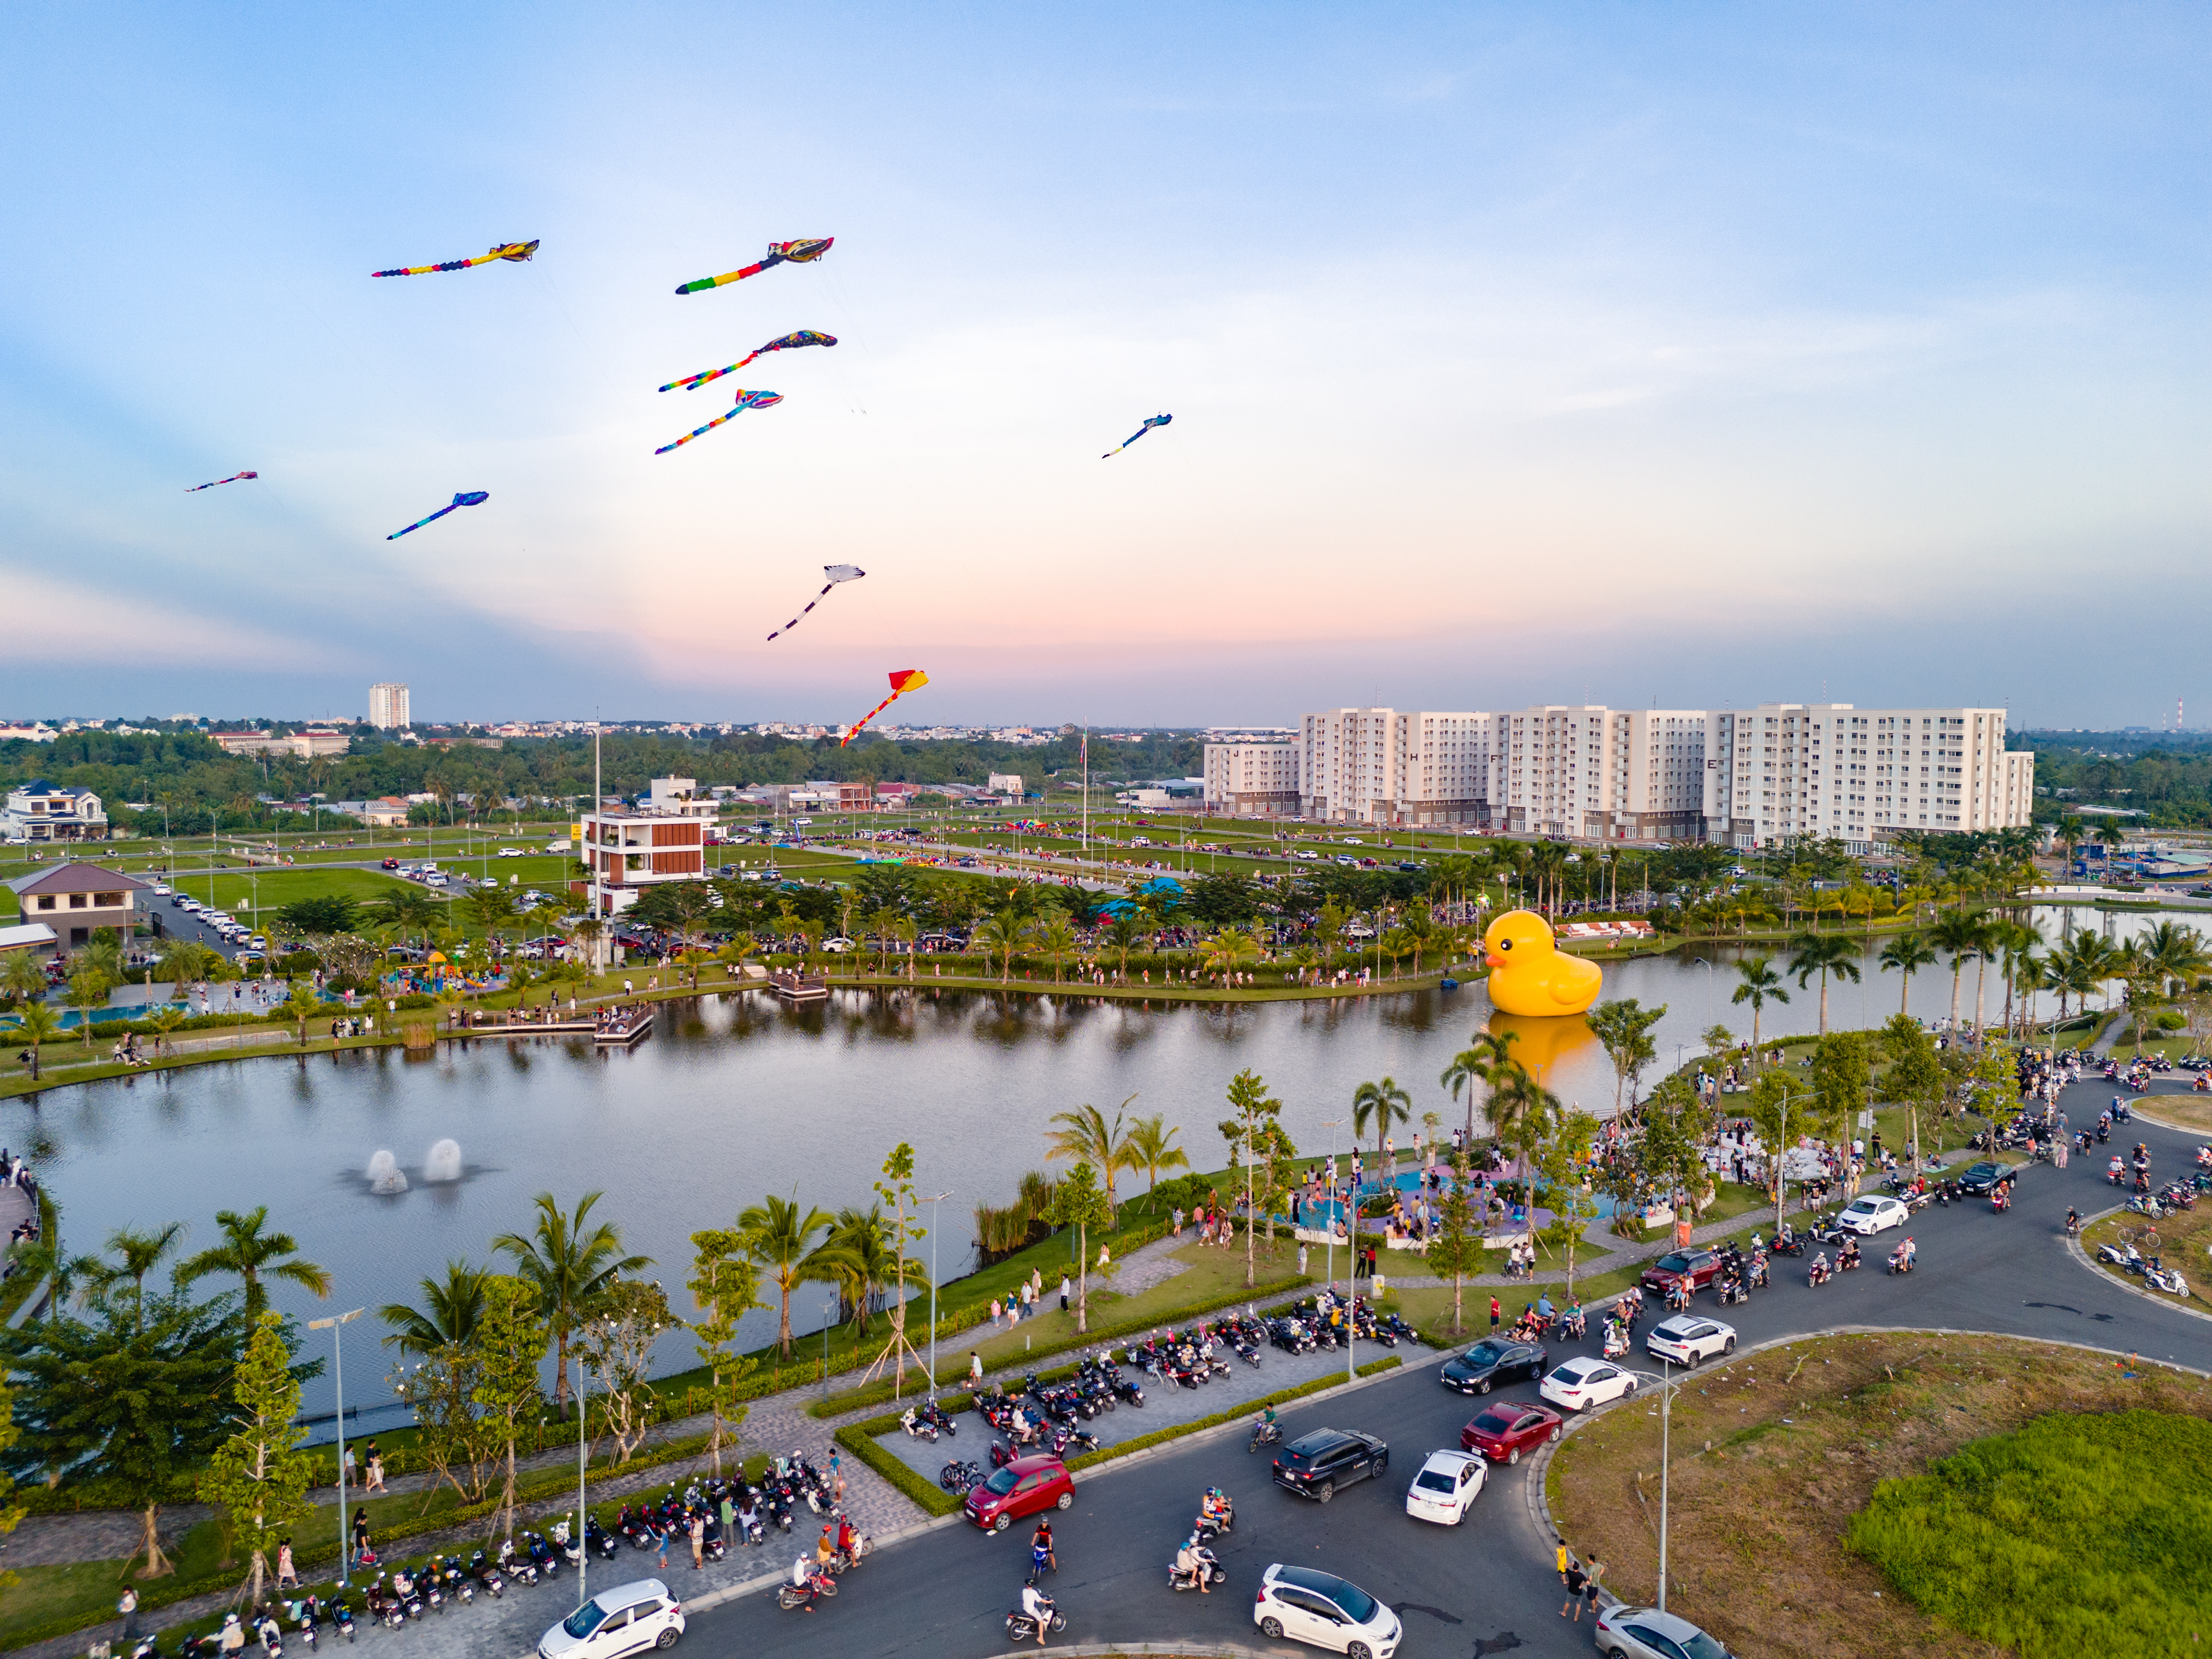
[(87, 1589), (1776, 1455), (2178, 1240)]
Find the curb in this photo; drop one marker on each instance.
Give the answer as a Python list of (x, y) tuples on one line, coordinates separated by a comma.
[(2074, 1248)]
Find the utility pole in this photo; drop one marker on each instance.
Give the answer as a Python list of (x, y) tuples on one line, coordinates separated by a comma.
[(1666, 1400), (337, 1359)]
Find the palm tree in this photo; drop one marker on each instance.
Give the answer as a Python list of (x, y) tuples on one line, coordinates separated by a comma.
[(1824, 954), (1000, 936), (38, 1024), (570, 1264), (1227, 951), (780, 1236), (1123, 934), (1485, 1062), (138, 1253), (1087, 1138), (448, 1317), (1382, 1105), (857, 1256), (1760, 986), (1905, 955), (1521, 1112), (1149, 1149), (2175, 954), (302, 1005), (22, 980), (1055, 940), (1958, 933), (249, 1253)]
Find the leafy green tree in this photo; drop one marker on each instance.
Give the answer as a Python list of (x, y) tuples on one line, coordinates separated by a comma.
[(1758, 985), (132, 1391), (897, 1189), (1226, 900), (616, 1343), (1564, 1163), (1456, 1240), (1077, 1202), (1842, 1081), (511, 1343), (86, 989), (1521, 1112), (725, 1283), (1916, 1075), (780, 1237), (571, 1262), (23, 979), (1779, 1108), (332, 913), (1824, 954), (1150, 1151), (249, 1253), (260, 1475), (1254, 1111), (1622, 1030)]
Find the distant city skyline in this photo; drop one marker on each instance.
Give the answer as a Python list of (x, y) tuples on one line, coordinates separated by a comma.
[(1513, 357)]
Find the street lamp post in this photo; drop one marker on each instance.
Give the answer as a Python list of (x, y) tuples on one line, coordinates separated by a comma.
[(583, 1549), (933, 1204), (337, 1372), (1666, 1398), (1331, 1125)]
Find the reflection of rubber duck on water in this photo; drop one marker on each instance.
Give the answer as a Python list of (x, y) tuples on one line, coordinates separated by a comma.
[(1529, 975)]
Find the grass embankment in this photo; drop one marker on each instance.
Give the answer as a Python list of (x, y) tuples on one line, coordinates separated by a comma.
[(2189, 1111), (2178, 1240), (1775, 1454)]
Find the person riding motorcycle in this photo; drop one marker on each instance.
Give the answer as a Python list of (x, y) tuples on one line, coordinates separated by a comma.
[(1041, 1555), (1848, 1256), (1819, 1268), (2073, 1221), (1038, 1606), (848, 1538), (1188, 1563)]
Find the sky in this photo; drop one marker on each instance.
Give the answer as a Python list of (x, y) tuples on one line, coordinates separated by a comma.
[(1694, 355)]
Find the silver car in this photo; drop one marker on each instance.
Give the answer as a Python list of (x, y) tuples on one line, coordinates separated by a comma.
[(1686, 1339), (1626, 1633)]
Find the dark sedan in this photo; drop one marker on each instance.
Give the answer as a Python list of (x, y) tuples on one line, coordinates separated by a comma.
[(1494, 1361), (1316, 1465), (1983, 1177)]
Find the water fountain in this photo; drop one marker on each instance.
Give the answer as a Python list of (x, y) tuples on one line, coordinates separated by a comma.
[(443, 1162), (385, 1175)]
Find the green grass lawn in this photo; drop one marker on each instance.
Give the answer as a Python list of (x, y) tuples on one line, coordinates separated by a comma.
[(87, 1590)]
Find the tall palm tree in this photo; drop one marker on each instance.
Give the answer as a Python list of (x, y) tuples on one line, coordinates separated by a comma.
[(570, 1263), (781, 1236), (1382, 1105), (1483, 1063), (1824, 954), (447, 1316), (22, 979), (137, 1254), (1123, 934), (1905, 955), (1087, 1138), (249, 1253), (1000, 936), (1149, 1148), (859, 1257), (1053, 941), (39, 1025), (1521, 1113), (2176, 955), (1759, 985), (1958, 932)]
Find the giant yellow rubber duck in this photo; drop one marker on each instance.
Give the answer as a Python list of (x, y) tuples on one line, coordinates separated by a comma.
[(1529, 975)]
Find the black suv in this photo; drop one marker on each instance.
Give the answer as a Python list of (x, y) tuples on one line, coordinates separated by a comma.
[(1983, 1177), (1316, 1465)]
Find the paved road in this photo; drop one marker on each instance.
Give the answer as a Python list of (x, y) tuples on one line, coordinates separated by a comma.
[(946, 1592)]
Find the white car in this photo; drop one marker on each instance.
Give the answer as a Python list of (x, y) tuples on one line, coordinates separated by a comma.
[(1626, 1633), (510, 852), (1579, 1384), (1448, 1483), (1687, 1340), (628, 1619), (1320, 1609), (1870, 1214)]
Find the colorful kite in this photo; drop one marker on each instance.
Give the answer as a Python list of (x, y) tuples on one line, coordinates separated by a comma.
[(835, 572), (471, 498), (745, 400), (800, 253), (806, 336), (233, 479), (903, 681), (1156, 419), (515, 250)]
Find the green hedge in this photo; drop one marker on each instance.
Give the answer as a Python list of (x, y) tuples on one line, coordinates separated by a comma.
[(878, 1391)]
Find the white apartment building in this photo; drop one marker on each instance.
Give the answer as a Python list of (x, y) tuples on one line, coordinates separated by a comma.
[(387, 705), (1603, 774), (1388, 765), (1855, 774), (679, 798), (1258, 778)]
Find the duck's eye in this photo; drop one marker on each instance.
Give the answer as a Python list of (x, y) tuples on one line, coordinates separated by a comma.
[(1505, 944)]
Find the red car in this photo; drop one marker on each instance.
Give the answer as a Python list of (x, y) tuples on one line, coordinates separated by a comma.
[(391, 864), (1504, 1431), (1023, 1487), (1700, 1268)]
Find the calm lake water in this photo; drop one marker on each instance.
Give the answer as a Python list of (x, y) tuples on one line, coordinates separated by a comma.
[(735, 1098)]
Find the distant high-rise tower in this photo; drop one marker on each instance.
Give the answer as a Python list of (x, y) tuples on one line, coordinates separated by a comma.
[(388, 706)]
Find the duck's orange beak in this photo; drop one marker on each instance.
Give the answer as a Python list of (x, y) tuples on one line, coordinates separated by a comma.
[(1490, 959)]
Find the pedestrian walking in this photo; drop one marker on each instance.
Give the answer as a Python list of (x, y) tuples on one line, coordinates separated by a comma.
[(1175, 1218), (1592, 1572), (1496, 1313), (1302, 1260), (1577, 1581), (128, 1608), (975, 1369), (375, 1474), (287, 1574), (998, 1312), (836, 1476), (1065, 1293), (352, 1472)]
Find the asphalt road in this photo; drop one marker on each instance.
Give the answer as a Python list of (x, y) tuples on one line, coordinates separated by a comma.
[(947, 1592)]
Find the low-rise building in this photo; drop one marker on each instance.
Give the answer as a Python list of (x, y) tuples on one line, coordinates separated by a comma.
[(306, 745), (38, 810), (679, 798), (78, 900), (629, 852)]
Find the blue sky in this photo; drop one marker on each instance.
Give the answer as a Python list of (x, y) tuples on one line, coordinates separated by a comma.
[(1693, 353)]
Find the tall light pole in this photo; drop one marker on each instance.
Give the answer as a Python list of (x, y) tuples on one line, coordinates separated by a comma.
[(1331, 1125), (1708, 967), (337, 1371), (583, 1549), (932, 1202), (1666, 1400)]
